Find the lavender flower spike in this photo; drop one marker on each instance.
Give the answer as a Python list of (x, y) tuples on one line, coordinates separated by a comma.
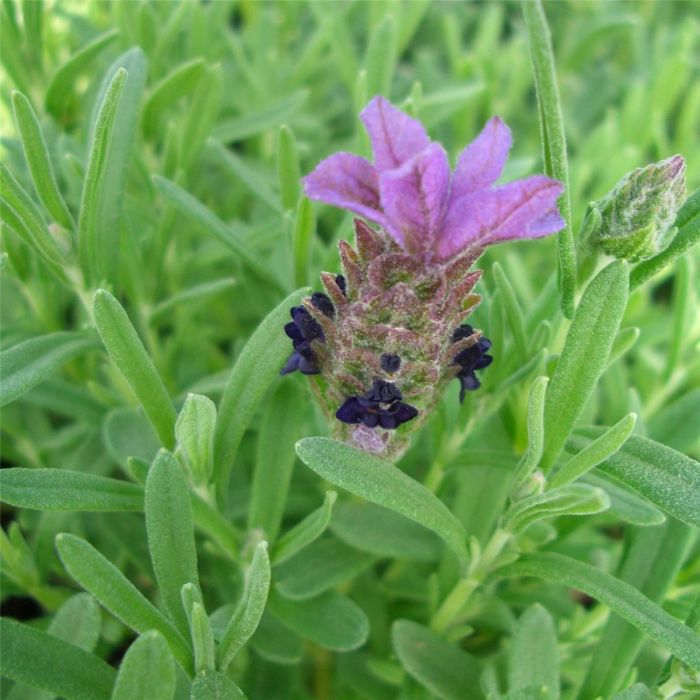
[(388, 335), (428, 211)]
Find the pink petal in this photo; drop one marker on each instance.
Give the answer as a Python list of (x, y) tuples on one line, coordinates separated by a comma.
[(347, 181), (521, 209), (413, 198), (481, 163), (395, 136)]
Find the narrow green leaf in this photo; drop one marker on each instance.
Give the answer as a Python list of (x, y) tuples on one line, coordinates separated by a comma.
[(513, 310), (37, 156), (147, 670), (302, 235), (382, 532), (65, 670), (193, 209), (535, 433), (274, 461), (444, 669), (619, 596), (114, 136), (204, 109), (247, 615), (118, 595), (584, 355), (288, 172), (256, 368), (202, 639), (533, 658), (571, 499), (64, 490), (194, 431), (382, 483), (638, 691), (32, 361), (129, 355), (331, 620), (553, 140), (595, 453), (211, 685), (319, 567), (197, 294), (624, 340), (171, 534), (66, 77), (21, 213), (305, 532), (381, 57), (671, 426), (666, 477), (177, 84)]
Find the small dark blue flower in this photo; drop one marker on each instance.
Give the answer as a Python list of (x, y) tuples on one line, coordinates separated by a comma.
[(342, 284), (302, 330), (390, 363), (323, 303), (470, 359), (381, 406)]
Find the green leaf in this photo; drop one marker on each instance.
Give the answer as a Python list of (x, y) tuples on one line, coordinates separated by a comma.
[(382, 532), (306, 531), (105, 180), (666, 477), (572, 499), (638, 691), (202, 639), (65, 670), (211, 685), (331, 620), (32, 361), (192, 295), (118, 595), (513, 310), (302, 235), (381, 57), (37, 156), (445, 670), (584, 355), (533, 658), (171, 534), (619, 596), (129, 355), (255, 370), (64, 80), (64, 490), (319, 567), (553, 140), (274, 461), (147, 670), (598, 451), (535, 433), (275, 642), (288, 173), (194, 431), (180, 82), (671, 427), (247, 615), (204, 109), (382, 483), (193, 209)]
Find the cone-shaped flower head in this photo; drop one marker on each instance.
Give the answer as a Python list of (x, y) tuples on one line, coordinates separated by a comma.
[(426, 209), (388, 335), (637, 214)]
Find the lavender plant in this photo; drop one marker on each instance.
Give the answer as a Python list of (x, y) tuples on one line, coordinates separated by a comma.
[(477, 476)]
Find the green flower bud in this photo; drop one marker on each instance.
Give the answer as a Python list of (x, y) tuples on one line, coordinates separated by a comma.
[(637, 215)]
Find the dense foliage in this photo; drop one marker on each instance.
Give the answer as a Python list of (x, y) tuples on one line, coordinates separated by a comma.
[(176, 522)]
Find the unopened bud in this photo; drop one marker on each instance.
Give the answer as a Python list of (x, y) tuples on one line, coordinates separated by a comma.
[(637, 215)]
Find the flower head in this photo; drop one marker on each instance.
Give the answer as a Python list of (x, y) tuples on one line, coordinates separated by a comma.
[(427, 210)]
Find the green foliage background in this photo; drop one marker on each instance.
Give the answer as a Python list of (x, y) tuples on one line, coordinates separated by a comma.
[(183, 202)]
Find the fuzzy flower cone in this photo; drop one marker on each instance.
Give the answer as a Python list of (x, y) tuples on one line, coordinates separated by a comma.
[(390, 333)]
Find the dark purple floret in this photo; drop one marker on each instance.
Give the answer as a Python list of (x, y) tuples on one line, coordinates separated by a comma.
[(340, 281), (303, 329), (470, 359), (390, 363), (323, 303), (381, 406)]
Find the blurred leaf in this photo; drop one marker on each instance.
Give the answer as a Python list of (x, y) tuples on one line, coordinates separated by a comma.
[(444, 669), (381, 57), (64, 490), (147, 670), (204, 109), (275, 642), (194, 430), (288, 174), (382, 483), (30, 362)]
